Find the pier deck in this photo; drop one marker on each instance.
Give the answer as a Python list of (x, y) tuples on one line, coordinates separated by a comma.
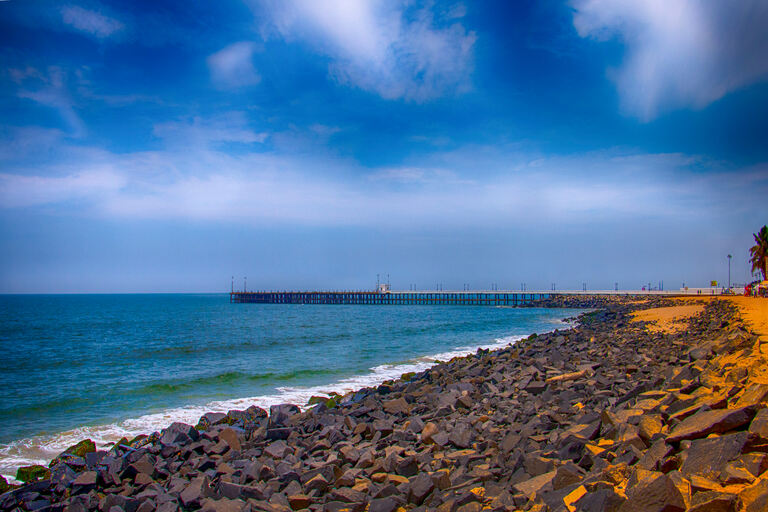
[(491, 298), (456, 298)]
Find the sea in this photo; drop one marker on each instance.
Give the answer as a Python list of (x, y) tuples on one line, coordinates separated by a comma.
[(107, 366)]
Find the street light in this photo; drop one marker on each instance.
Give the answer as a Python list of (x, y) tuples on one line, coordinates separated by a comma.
[(729, 271)]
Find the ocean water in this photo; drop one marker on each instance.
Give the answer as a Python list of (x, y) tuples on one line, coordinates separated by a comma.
[(107, 366)]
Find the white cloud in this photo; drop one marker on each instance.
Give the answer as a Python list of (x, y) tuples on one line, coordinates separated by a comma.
[(686, 53), (232, 67), (382, 46), (198, 182), (91, 22), (49, 88), (200, 132), (91, 185)]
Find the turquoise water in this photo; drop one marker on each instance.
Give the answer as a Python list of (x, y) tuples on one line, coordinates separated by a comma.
[(103, 366)]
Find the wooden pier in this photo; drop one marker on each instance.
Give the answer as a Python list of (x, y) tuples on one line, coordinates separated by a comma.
[(449, 298)]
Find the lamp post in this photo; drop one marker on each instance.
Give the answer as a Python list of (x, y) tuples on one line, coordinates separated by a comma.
[(729, 271)]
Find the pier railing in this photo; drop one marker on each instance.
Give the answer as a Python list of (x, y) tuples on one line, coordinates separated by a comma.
[(492, 298), (458, 298)]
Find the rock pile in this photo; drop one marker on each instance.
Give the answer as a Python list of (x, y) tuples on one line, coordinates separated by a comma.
[(604, 416)]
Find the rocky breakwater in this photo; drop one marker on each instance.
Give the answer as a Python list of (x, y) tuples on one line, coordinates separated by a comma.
[(605, 416)]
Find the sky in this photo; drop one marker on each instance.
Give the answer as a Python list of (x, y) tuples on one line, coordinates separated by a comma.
[(312, 144)]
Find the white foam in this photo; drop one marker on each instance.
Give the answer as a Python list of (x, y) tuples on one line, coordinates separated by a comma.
[(41, 449)]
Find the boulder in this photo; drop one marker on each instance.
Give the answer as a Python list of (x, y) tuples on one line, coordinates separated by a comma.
[(397, 406), (717, 421), (654, 494), (279, 414), (708, 457), (759, 424), (31, 473), (179, 434)]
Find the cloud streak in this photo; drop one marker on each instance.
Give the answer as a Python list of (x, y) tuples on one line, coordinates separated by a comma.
[(386, 47), (90, 22), (268, 189), (49, 89), (232, 67), (682, 54)]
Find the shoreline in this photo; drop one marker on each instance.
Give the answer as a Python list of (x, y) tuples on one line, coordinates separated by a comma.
[(145, 424), (590, 416)]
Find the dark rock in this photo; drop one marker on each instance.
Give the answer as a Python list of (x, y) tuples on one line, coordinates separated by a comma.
[(714, 502), (209, 419), (383, 505), (420, 487), (600, 500), (277, 450), (195, 492), (654, 494), (397, 406), (179, 434), (279, 414), (704, 423), (759, 425), (84, 482), (461, 436), (281, 433), (708, 457)]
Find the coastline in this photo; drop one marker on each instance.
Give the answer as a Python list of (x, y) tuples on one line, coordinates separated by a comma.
[(604, 413), (41, 449)]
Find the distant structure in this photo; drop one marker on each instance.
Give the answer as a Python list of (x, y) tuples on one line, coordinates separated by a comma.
[(384, 288)]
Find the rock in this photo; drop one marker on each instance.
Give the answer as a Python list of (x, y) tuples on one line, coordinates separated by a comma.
[(708, 457), (652, 457), (754, 395), (383, 505), (461, 436), (599, 500), (277, 450), (759, 424), (536, 387), (649, 426), (566, 475), (430, 429), (533, 485), (279, 414), (754, 498), (715, 502), (233, 491), (84, 482), (80, 450), (179, 434), (31, 473), (318, 483), (299, 501), (223, 505), (420, 487), (654, 494), (397, 406), (209, 419), (229, 436), (704, 423), (195, 492)]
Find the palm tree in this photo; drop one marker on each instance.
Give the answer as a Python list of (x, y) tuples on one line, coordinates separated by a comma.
[(759, 252)]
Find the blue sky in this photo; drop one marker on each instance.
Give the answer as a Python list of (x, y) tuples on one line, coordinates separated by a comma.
[(159, 146)]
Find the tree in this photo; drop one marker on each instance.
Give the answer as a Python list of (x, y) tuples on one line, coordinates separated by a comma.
[(759, 252)]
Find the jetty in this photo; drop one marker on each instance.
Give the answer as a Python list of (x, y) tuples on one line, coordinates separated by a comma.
[(430, 298)]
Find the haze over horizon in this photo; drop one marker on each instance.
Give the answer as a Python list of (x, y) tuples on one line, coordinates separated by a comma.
[(154, 147)]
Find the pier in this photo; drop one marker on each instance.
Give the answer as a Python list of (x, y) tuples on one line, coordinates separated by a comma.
[(447, 298), (430, 298)]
